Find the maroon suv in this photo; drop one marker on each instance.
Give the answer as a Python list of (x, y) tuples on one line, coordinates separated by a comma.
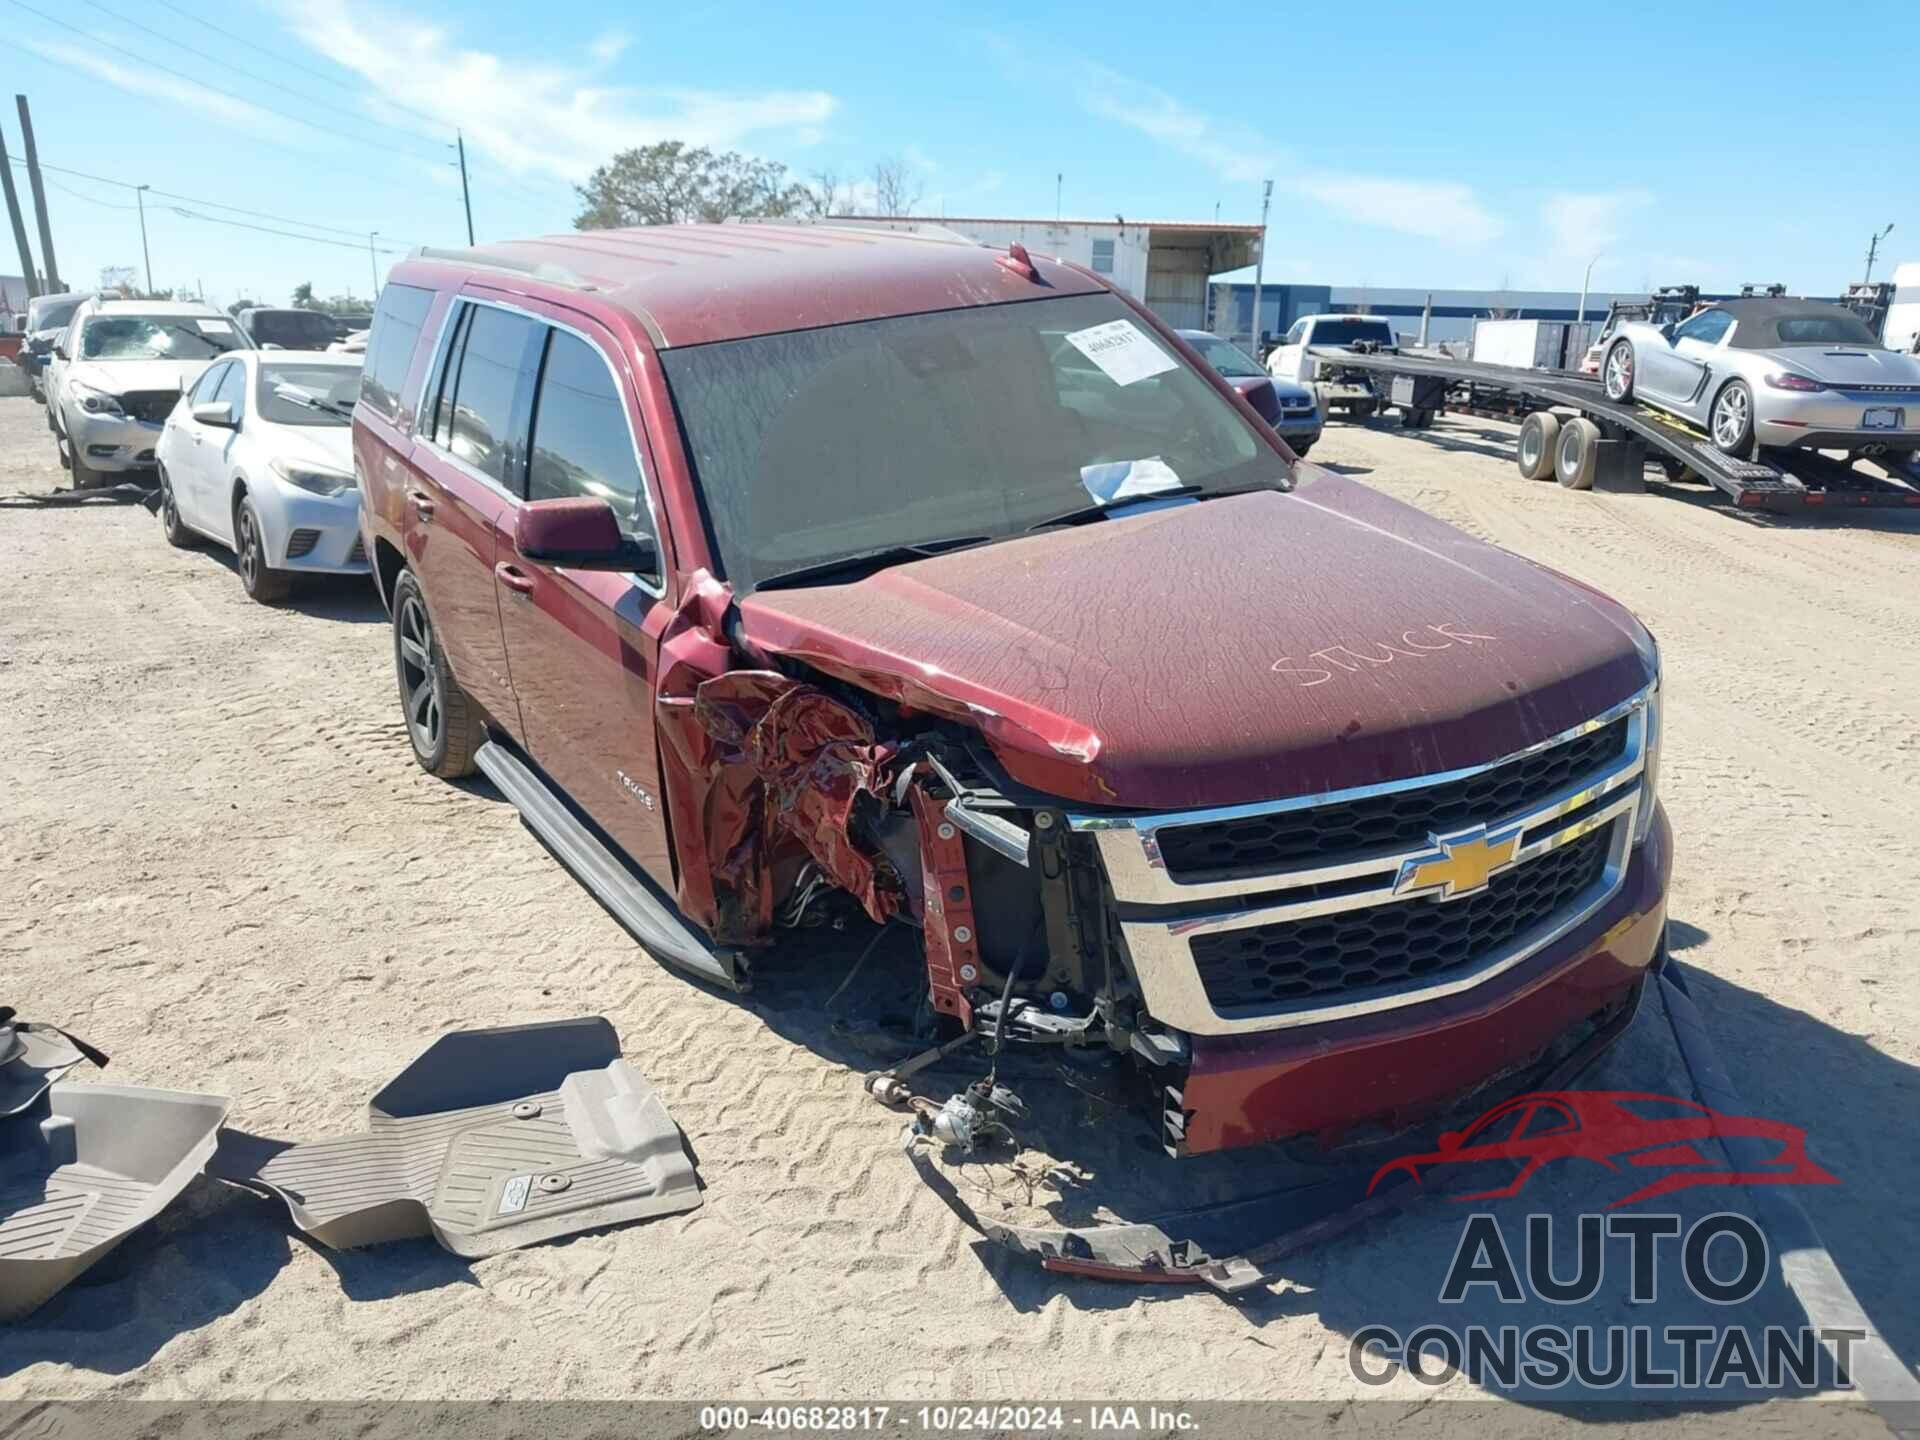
[(755, 562)]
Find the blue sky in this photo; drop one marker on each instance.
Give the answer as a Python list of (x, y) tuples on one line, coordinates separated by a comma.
[(1409, 144)]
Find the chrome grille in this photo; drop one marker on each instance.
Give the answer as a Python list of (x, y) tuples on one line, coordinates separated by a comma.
[(1357, 950), (1258, 844)]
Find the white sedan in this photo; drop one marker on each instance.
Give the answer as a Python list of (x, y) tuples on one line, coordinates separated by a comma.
[(258, 457)]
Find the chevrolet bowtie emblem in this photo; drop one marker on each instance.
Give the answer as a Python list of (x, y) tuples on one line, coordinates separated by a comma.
[(1460, 864)]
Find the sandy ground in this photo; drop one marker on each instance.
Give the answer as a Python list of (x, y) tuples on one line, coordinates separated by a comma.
[(220, 864)]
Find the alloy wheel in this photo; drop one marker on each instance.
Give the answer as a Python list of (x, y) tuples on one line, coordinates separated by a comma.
[(249, 549), (169, 512), (1619, 372), (419, 677), (1730, 417)]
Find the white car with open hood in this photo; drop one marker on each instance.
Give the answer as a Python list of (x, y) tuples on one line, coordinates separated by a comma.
[(116, 375), (258, 457)]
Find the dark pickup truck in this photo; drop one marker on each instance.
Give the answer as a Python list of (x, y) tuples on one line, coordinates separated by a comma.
[(752, 561)]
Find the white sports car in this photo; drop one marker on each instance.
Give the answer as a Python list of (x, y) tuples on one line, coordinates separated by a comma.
[(258, 457)]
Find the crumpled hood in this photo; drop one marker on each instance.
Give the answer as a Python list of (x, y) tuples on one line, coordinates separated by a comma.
[(1242, 649), (125, 377)]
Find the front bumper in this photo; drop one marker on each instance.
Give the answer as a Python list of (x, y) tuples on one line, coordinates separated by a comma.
[(1299, 430), (1393, 1067), (319, 534), (111, 442)]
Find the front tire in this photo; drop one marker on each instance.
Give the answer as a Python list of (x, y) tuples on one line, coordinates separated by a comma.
[(1731, 420), (171, 525), (443, 724), (262, 581), (1617, 372)]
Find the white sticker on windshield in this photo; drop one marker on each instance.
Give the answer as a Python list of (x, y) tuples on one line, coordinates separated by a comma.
[(1127, 479), (1122, 350), (214, 327)]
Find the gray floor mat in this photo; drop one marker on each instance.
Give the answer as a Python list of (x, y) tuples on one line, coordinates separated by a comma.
[(491, 1140), (84, 1166), (32, 1057)]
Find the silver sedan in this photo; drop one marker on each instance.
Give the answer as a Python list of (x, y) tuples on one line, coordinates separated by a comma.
[(1785, 373)]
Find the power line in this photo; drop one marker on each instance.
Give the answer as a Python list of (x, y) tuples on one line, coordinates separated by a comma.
[(288, 234), (288, 60), (278, 85), (152, 64), (359, 235), (90, 199)]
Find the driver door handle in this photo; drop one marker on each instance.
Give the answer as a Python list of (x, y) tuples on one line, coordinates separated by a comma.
[(514, 578), (422, 503)]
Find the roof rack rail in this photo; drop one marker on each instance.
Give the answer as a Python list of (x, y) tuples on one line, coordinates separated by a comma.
[(537, 269)]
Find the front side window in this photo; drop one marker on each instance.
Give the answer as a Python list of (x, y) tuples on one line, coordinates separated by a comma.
[(818, 445), (397, 321), (501, 348), (233, 389), (320, 395), (581, 444), (156, 337), (1707, 327), (208, 384), (1298, 334)]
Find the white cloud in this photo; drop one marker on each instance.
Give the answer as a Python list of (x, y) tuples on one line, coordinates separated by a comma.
[(1433, 210), (155, 85), (1584, 224), (609, 47), (535, 118)]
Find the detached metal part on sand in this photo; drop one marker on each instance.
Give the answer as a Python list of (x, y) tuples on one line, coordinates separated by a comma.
[(491, 1140), (82, 1166)]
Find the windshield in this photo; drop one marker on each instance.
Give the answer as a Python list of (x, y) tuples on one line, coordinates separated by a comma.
[(1345, 332), (1229, 359), (1839, 328), (307, 394), (292, 329), (50, 314), (157, 337), (818, 444)]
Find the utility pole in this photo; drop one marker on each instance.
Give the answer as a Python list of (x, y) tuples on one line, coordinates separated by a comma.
[(140, 199), (1873, 251), (1581, 318), (19, 225), (1260, 268), (460, 144), (1059, 186), (373, 263), (54, 287)]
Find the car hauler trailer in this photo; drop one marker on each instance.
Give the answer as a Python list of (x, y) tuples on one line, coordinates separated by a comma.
[(1571, 431)]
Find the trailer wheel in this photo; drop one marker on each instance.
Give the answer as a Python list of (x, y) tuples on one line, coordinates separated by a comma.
[(1539, 434), (1577, 453)]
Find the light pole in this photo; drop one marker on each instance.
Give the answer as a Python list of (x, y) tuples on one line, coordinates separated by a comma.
[(140, 199), (1873, 250), (1582, 316), (373, 263), (1260, 268)]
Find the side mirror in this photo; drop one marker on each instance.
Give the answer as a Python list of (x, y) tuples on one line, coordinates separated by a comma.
[(1667, 330), (580, 534), (60, 352), (217, 412)]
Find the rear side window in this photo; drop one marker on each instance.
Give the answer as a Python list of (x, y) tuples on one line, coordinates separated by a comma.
[(581, 443), (501, 349), (397, 321)]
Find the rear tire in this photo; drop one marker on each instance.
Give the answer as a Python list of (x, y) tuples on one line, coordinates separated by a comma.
[(262, 581), (1539, 437), (1730, 422), (171, 525), (1617, 372), (443, 724), (1576, 454)]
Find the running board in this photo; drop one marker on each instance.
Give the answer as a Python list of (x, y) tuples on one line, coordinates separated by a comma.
[(650, 918)]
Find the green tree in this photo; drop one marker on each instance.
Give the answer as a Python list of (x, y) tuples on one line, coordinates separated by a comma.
[(303, 296), (671, 183)]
